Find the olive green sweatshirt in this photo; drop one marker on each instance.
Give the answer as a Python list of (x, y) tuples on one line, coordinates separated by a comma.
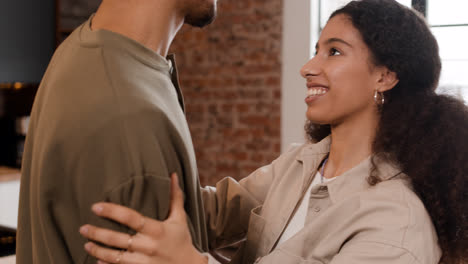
[(107, 125)]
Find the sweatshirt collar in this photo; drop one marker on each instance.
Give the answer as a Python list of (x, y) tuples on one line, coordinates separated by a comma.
[(352, 181), (113, 40)]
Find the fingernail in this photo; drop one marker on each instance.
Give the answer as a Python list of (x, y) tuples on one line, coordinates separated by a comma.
[(84, 230), (97, 208), (88, 246)]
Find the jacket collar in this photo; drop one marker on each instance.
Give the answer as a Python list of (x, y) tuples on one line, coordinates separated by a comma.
[(310, 157), (350, 182)]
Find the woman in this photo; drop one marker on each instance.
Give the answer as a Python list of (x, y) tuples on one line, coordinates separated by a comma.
[(383, 182)]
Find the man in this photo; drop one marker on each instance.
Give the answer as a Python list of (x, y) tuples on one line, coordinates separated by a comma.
[(108, 125)]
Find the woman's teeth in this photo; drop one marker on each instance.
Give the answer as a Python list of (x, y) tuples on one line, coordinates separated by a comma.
[(316, 91)]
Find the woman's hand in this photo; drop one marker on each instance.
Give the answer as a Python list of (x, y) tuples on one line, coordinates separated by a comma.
[(155, 242)]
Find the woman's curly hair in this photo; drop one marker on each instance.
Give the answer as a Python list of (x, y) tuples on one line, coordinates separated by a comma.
[(425, 133)]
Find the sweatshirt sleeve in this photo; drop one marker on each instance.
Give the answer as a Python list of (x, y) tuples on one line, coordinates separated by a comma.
[(131, 166)]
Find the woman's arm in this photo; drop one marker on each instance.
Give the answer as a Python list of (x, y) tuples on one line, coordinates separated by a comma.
[(370, 252), (228, 205)]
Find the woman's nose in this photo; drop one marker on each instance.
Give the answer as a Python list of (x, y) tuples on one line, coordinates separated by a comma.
[(311, 68)]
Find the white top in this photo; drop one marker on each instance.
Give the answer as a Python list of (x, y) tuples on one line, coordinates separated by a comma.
[(298, 220)]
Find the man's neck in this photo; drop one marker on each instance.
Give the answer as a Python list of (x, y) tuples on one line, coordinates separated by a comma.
[(154, 24)]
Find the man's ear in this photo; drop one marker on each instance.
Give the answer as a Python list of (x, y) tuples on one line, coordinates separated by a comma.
[(388, 79)]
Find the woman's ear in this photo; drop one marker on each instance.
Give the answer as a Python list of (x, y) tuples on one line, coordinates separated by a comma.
[(388, 79)]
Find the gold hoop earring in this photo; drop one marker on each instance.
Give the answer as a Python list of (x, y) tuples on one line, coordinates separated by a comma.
[(376, 98)]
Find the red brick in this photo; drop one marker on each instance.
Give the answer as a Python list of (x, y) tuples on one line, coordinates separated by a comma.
[(230, 75), (242, 107), (257, 157)]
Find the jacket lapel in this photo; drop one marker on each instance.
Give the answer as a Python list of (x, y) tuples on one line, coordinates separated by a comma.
[(310, 157)]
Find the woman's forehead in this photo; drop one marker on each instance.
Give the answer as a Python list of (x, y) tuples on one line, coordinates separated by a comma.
[(341, 27)]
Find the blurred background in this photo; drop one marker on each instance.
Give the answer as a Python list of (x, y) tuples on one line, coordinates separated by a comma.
[(240, 78)]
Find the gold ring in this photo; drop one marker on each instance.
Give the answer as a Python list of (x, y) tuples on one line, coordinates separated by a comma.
[(129, 244), (119, 256)]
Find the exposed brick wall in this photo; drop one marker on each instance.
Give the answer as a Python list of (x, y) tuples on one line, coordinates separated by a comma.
[(230, 74)]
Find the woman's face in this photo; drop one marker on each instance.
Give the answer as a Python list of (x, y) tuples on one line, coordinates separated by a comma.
[(341, 79)]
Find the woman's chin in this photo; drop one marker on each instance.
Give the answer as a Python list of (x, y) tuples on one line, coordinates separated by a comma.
[(317, 118)]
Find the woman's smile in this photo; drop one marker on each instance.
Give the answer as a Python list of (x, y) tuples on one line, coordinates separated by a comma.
[(314, 92)]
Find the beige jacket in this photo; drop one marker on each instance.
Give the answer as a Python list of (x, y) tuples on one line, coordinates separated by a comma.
[(351, 221)]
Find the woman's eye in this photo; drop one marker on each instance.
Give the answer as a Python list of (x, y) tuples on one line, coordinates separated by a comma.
[(334, 52)]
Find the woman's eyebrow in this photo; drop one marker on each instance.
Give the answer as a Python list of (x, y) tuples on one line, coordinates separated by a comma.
[(331, 40)]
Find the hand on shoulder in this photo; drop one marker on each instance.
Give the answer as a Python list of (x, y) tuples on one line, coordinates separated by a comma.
[(159, 242)]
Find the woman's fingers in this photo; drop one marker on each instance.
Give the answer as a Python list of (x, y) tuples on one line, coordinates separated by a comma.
[(155, 241), (121, 214), (105, 236), (106, 255), (138, 222), (138, 242)]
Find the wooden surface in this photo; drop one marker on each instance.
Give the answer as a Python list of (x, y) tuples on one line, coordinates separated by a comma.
[(9, 174)]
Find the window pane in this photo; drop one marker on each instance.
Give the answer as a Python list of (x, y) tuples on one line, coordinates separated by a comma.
[(452, 42), (328, 6), (454, 77), (405, 2), (447, 12)]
